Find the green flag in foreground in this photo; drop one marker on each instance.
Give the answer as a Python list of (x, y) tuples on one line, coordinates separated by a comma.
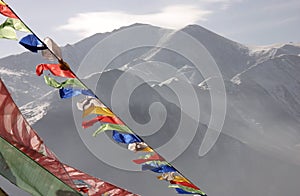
[(22, 171)]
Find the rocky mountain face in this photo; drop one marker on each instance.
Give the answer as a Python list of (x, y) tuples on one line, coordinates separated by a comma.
[(257, 152)]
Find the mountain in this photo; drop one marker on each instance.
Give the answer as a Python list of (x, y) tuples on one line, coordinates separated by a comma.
[(156, 90)]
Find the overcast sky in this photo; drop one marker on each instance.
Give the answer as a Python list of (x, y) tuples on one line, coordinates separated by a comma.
[(252, 22)]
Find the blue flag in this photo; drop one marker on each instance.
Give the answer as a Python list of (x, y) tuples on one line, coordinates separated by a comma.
[(125, 138), (180, 191), (66, 93), (158, 167), (32, 43)]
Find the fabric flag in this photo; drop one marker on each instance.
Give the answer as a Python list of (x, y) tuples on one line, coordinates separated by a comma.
[(15, 130), (31, 43), (149, 157), (55, 69), (7, 29), (54, 48), (139, 147), (7, 32), (16, 24), (66, 93), (125, 138), (186, 190), (6, 11), (158, 167), (164, 169), (28, 163), (167, 176), (180, 179), (112, 127), (88, 102), (103, 119), (186, 184), (94, 186), (69, 82), (97, 110), (27, 174)]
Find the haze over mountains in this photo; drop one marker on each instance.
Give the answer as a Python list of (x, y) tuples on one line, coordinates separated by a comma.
[(258, 150)]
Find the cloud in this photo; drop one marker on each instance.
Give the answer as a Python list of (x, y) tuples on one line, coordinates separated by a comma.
[(174, 17)]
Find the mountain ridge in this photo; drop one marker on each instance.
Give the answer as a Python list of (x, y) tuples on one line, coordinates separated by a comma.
[(261, 129)]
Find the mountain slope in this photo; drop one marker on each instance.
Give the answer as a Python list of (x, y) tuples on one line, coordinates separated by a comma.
[(257, 151)]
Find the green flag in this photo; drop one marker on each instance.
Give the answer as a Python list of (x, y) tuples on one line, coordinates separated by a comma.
[(7, 32), (72, 81), (22, 171), (187, 189), (15, 24), (7, 29), (110, 127)]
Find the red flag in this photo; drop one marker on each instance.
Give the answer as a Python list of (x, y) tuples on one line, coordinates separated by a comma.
[(6, 11), (105, 119), (186, 184), (55, 69), (154, 157), (15, 130)]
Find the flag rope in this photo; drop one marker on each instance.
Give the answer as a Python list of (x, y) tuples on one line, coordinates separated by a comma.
[(66, 67)]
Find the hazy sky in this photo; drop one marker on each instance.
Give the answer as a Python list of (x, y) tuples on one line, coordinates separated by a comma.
[(251, 22)]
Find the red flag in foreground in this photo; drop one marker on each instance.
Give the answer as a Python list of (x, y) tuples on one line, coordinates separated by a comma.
[(29, 164)]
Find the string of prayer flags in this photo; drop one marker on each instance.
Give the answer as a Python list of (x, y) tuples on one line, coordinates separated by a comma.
[(91, 105)]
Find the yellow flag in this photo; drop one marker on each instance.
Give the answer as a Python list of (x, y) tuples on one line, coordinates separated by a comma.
[(97, 110), (180, 179)]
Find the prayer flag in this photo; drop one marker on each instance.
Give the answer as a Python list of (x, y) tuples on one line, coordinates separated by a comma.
[(55, 69), (112, 127), (69, 82), (103, 119), (125, 138), (32, 43), (53, 47), (6, 11), (66, 93), (97, 110)]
